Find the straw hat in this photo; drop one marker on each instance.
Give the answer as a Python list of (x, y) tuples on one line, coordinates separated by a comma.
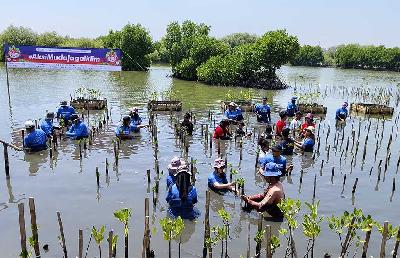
[(219, 163), (175, 163), (311, 129), (232, 104)]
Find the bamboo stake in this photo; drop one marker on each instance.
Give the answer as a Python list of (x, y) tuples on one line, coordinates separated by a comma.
[(355, 186), (22, 232), (346, 241), (259, 229), (366, 243), (64, 247), (384, 239), (6, 161), (396, 247), (34, 227), (248, 241), (110, 244), (269, 237), (80, 243), (315, 186), (206, 225), (97, 177)]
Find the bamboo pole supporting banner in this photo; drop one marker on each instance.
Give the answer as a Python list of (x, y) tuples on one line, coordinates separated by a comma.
[(64, 247), (34, 226), (22, 232), (382, 253), (80, 243)]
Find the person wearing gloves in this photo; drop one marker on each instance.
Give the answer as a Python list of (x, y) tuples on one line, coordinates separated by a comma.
[(78, 130), (182, 196), (268, 200), (35, 140), (217, 180)]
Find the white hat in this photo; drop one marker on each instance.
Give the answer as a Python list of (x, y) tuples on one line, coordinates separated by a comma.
[(311, 129), (29, 124), (233, 104)]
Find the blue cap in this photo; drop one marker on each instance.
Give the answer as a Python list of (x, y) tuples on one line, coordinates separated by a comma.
[(271, 169), (294, 98)]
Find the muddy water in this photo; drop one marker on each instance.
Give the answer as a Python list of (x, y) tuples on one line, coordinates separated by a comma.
[(68, 184)]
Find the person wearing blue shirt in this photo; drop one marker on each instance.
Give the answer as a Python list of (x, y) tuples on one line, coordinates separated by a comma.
[(36, 139), (275, 157), (287, 143), (78, 130), (307, 145), (47, 124), (135, 118), (233, 113), (263, 111), (217, 180), (342, 113), (64, 112), (292, 107), (173, 167), (125, 129), (182, 196)]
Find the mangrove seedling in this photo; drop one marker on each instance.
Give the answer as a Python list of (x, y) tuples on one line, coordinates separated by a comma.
[(290, 209), (275, 243), (226, 217), (311, 227), (123, 215), (220, 234), (172, 228), (98, 236)]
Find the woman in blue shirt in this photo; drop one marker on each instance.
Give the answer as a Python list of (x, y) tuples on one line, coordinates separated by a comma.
[(233, 112), (182, 196), (307, 145), (217, 180), (263, 112), (342, 113)]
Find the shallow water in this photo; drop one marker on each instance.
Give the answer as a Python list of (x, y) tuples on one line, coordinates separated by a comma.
[(68, 184)]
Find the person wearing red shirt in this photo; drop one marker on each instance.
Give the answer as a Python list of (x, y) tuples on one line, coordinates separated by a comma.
[(222, 131), (309, 121), (281, 124)]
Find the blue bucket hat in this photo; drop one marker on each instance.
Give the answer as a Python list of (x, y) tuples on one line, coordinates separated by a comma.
[(271, 169)]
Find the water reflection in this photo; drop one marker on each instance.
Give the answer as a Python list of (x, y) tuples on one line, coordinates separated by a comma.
[(36, 161)]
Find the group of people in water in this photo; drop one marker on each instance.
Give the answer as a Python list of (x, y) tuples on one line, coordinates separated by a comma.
[(182, 194), (296, 134)]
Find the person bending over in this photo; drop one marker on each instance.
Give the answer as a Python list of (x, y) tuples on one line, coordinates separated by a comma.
[(78, 130), (217, 180), (36, 139)]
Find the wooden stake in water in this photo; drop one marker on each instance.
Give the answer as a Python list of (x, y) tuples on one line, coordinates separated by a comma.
[(366, 243), (6, 161), (355, 186), (110, 244), (396, 246), (64, 247), (97, 177), (269, 239), (22, 232), (384, 239), (207, 225), (34, 226), (259, 229), (80, 242)]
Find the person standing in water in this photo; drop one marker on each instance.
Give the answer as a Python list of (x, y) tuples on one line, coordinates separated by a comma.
[(233, 113), (65, 112), (217, 180), (222, 131), (307, 145), (187, 125), (268, 200), (281, 123), (263, 111), (292, 107), (342, 113), (47, 124), (78, 129)]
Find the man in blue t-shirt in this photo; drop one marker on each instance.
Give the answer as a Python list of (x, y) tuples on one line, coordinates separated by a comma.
[(64, 112), (292, 107), (78, 130), (233, 113), (277, 158), (47, 124), (36, 139), (217, 180), (342, 113), (263, 111)]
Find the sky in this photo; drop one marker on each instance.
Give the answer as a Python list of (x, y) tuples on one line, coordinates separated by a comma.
[(316, 22)]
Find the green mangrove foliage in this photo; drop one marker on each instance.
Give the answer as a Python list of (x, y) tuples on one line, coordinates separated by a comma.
[(240, 38), (189, 45), (136, 44), (252, 65), (309, 56), (368, 57)]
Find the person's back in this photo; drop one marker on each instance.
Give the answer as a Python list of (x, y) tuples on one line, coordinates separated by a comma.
[(187, 126), (78, 131), (65, 112), (286, 143), (183, 208), (36, 140), (47, 127)]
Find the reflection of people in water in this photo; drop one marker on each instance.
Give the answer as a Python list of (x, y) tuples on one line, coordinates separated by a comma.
[(190, 226), (36, 161)]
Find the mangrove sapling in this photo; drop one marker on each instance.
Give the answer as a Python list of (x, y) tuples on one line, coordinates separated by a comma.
[(172, 228), (290, 209), (123, 215), (98, 236), (220, 234), (226, 217), (258, 239), (311, 227)]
